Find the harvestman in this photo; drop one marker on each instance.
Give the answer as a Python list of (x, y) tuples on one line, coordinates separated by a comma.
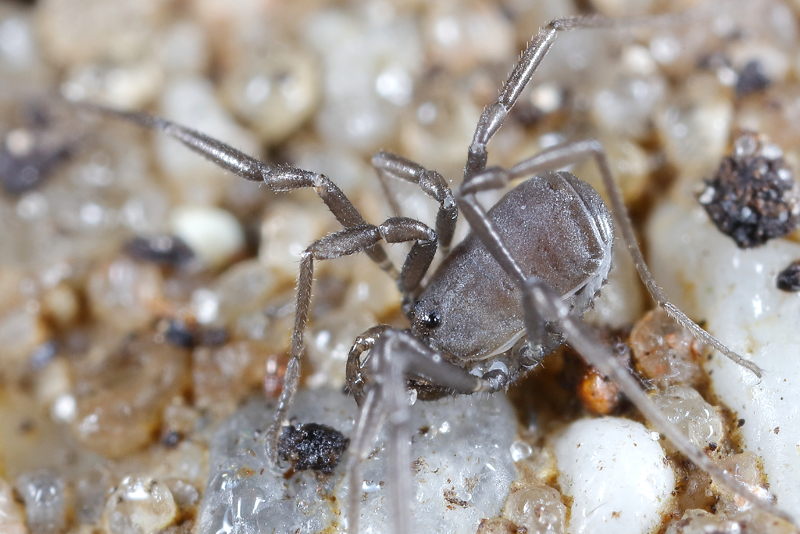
[(515, 288)]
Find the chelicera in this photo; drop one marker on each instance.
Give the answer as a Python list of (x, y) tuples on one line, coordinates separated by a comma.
[(513, 290)]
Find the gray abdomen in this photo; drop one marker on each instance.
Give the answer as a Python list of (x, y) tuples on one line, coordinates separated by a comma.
[(557, 228)]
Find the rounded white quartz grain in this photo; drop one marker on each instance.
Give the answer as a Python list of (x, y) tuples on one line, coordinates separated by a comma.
[(462, 470), (140, 506), (734, 291), (213, 234), (616, 475), (43, 494)]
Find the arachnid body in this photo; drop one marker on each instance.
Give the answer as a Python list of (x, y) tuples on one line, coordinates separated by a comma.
[(528, 271), (500, 300)]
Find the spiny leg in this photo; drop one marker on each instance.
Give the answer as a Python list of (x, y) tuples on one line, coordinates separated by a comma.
[(540, 304), (560, 156), (278, 178), (430, 182), (494, 115), (396, 355), (343, 243)]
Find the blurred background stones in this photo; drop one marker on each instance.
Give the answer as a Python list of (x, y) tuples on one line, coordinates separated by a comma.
[(125, 359)]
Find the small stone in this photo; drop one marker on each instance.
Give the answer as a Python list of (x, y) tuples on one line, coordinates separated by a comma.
[(520, 450), (664, 351), (119, 405), (245, 286), (283, 240), (693, 125), (537, 508), (312, 446), (272, 88), (91, 492), (125, 293), (140, 506), (186, 495), (599, 395), (702, 522), (165, 250), (789, 278), (124, 85), (753, 197), (615, 473), (222, 376), (751, 79), (45, 507), (746, 468), (700, 422), (61, 304), (213, 234)]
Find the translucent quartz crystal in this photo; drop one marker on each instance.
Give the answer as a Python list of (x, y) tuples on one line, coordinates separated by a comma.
[(43, 494), (123, 293), (119, 404), (272, 87), (139, 506), (538, 508), (694, 125), (462, 469), (697, 420), (222, 376), (664, 352)]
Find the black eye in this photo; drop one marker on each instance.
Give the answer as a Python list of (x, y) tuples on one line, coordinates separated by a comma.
[(432, 320)]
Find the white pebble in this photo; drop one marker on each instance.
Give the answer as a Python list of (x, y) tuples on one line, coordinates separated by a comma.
[(734, 291), (213, 234), (140, 505), (616, 474)]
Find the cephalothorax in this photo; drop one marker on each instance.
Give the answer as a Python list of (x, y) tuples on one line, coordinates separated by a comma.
[(514, 289)]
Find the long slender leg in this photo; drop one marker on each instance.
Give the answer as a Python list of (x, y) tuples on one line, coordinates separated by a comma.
[(563, 155), (278, 178), (336, 245), (494, 114), (542, 304), (396, 354), (432, 184)]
